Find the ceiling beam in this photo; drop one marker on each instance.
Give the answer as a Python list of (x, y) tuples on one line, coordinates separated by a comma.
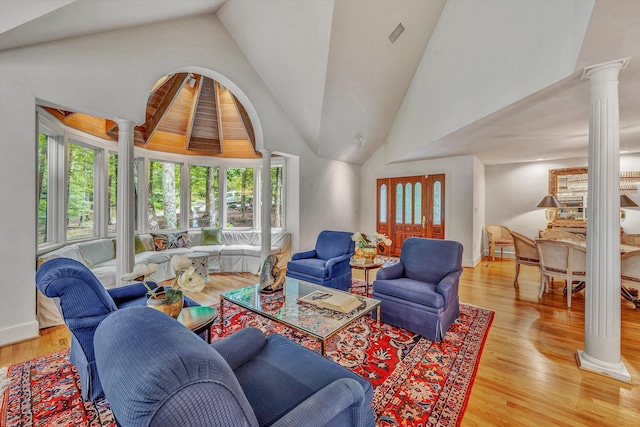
[(177, 82), (220, 132), (246, 121), (194, 106), (110, 127)]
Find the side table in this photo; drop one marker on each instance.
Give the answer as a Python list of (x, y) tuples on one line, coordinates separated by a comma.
[(199, 319), (366, 266), (200, 261)]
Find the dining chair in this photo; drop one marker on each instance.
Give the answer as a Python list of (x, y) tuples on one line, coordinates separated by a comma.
[(630, 276), (630, 239), (563, 260), (525, 253), (560, 235), (499, 237)]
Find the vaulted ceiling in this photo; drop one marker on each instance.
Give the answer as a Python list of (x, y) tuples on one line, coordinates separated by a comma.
[(496, 79), (187, 114)]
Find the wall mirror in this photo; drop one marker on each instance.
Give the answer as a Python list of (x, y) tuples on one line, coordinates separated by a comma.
[(569, 185)]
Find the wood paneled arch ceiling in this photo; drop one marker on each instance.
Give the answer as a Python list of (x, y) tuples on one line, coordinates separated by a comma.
[(186, 114)]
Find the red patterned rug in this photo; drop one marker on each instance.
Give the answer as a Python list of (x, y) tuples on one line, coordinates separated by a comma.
[(416, 381)]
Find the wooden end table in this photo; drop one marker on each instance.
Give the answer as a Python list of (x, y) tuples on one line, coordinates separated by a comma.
[(366, 266), (199, 319)]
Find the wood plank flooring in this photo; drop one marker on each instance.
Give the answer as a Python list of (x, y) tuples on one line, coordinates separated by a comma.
[(527, 375)]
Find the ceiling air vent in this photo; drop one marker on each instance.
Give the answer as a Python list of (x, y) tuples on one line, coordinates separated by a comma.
[(396, 33)]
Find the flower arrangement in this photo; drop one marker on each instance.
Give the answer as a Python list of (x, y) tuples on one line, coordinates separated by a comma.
[(186, 278), (375, 240)]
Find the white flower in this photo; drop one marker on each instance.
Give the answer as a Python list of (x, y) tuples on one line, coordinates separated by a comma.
[(141, 270), (191, 281), (180, 263)]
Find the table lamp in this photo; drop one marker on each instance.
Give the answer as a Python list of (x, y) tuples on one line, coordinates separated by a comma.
[(625, 202), (549, 202)]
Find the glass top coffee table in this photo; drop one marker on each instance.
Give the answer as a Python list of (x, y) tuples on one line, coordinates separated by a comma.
[(283, 306)]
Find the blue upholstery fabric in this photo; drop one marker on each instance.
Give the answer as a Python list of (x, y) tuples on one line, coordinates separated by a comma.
[(420, 293), (84, 303), (156, 373), (328, 263)]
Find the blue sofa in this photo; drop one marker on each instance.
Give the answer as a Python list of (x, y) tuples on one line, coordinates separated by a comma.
[(84, 303), (155, 372), (420, 293), (328, 263)]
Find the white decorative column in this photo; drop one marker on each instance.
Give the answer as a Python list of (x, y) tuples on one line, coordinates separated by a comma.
[(602, 304), (265, 212), (125, 224)]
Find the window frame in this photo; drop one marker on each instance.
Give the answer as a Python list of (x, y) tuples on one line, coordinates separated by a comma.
[(56, 197)]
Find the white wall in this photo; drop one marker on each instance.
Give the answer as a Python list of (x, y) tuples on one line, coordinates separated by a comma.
[(459, 194), (490, 71), (479, 204), (110, 75), (513, 191)]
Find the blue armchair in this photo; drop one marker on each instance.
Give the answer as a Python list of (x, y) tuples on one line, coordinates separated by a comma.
[(420, 293), (84, 303), (328, 263), (157, 373)]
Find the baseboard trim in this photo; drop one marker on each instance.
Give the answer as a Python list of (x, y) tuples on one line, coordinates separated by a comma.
[(17, 333)]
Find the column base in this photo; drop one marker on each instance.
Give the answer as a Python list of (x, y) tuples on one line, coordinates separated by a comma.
[(614, 370)]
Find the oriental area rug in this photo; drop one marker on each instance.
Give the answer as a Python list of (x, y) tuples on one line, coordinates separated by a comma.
[(416, 381)]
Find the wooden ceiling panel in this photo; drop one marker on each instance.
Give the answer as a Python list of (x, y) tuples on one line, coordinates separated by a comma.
[(199, 119), (205, 123)]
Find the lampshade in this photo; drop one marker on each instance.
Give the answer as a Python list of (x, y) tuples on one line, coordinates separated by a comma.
[(626, 202), (549, 201)]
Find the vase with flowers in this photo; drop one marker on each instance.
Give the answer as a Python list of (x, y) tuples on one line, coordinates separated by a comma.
[(368, 245), (169, 300)]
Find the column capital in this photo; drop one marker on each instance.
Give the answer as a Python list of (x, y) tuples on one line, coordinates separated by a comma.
[(124, 124), (617, 65)]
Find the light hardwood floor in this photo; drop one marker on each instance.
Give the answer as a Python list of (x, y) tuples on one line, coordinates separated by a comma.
[(527, 374)]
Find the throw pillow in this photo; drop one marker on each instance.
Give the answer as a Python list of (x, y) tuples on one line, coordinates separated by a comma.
[(211, 236), (182, 239), (164, 241), (139, 244)]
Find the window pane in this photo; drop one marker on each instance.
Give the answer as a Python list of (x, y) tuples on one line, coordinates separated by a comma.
[(203, 185), (436, 203), (113, 187), (383, 203), (80, 166), (164, 195), (43, 181), (408, 203), (136, 162), (399, 198), (417, 204), (277, 197), (239, 197)]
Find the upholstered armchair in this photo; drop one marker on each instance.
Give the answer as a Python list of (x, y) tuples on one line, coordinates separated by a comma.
[(498, 236), (420, 292), (157, 373), (526, 253), (84, 303), (328, 263)]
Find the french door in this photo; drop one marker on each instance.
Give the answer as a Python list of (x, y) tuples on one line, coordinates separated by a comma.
[(411, 206)]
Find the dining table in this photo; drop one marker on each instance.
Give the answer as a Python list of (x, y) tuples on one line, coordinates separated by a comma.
[(630, 294)]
